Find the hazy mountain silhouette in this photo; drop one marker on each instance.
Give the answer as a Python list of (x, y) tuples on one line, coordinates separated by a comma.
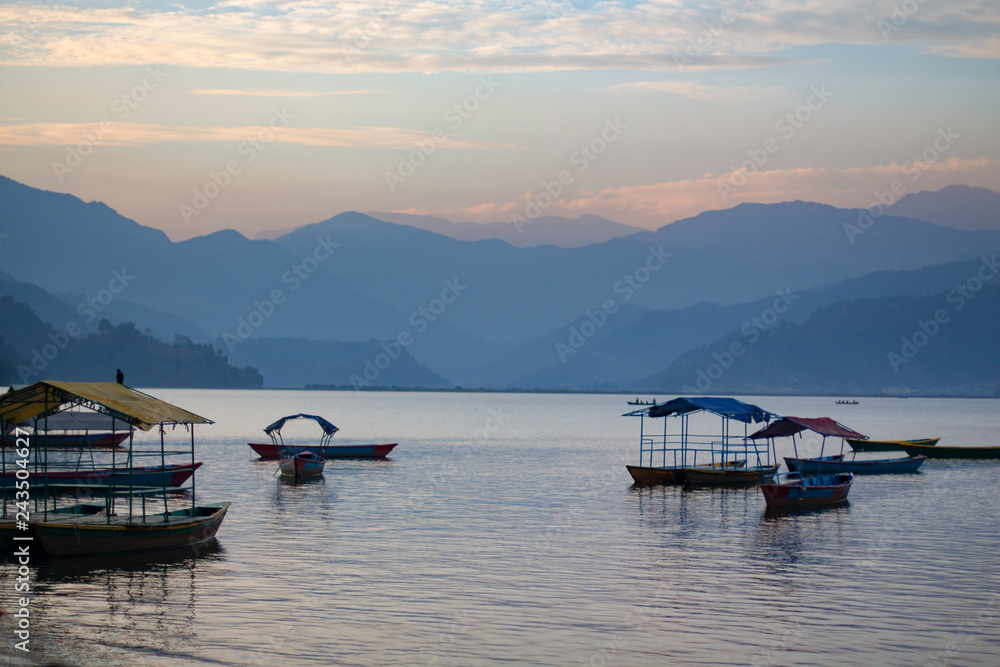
[(959, 206), (889, 345), (480, 312), (544, 230)]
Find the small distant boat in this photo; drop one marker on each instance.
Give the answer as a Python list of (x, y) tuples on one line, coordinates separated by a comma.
[(847, 402), (935, 452), (860, 445), (837, 463), (305, 464), (638, 402), (808, 492), (273, 450)]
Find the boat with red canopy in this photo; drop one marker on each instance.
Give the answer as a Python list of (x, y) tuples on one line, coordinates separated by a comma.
[(795, 491), (273, 450)]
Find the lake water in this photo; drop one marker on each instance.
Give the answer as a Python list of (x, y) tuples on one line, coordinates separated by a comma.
[(504, 530)]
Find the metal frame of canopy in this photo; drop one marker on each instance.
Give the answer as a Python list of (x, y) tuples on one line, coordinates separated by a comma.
[(793, 426), (134, 409), (274, 430), (686, 442)]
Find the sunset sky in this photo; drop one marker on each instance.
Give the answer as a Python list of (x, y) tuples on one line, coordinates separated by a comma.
[(199, 116)]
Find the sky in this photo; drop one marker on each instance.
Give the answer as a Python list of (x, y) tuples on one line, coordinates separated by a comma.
[(193, 117)]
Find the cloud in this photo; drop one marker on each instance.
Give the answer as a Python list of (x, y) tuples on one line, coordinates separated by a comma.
[(110, 133), (278, 93), (699, 91), (657, 204), (434, 35)]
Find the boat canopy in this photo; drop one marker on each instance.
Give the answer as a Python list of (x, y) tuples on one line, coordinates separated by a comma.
[(328, 428), (135, 408), (787, 426), (729, 408)]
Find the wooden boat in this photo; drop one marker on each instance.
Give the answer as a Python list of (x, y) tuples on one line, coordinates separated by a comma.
[(126, 520), (75, 429), (682, 455), (305, 464), (171, 475), (936, 452), (839, 463), (860, 445), (638, 402), (86, 529), (324, 449), (808, 492), (270, 451), (726, 475), (649, 475), (800, 491), (100, 440)]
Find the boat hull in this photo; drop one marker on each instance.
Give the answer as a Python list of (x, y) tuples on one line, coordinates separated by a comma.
[(104, 440), (727, 475), (824, 491), (936, 452), (269, 451), (301, 466), (878, 467), (84, 534), (652, 475), (887, 445), (171, 475)]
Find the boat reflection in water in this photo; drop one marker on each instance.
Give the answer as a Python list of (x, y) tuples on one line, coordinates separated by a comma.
[(124, 607)]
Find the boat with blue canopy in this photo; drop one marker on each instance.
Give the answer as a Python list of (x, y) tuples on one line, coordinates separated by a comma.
[(695, 452)]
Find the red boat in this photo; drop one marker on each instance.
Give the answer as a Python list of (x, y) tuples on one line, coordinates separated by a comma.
[(73, 429), (269, 451), (324, 449), (813, 491), (822, 491), (170, 476)]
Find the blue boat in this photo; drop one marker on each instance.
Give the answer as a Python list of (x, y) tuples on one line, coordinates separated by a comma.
[(837, 463)]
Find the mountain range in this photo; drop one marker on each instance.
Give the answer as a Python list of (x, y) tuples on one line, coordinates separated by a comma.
[(326, 302)]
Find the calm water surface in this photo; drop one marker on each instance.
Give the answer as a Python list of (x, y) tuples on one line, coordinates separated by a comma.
[(505, 530)]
